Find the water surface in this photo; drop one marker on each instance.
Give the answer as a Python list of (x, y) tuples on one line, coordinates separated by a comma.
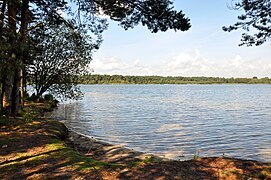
[(177, 121)]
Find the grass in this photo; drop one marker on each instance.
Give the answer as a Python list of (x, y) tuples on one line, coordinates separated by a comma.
[(32, 146), (196, 155), (147, 160)]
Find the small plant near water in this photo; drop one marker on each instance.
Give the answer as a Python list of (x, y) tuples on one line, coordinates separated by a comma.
[(150, 159), (196, 155)]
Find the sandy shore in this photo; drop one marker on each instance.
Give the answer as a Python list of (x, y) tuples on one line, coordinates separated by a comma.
[(107, 152), (155, 167)]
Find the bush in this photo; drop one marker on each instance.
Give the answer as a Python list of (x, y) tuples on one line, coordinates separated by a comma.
[(48, 97)]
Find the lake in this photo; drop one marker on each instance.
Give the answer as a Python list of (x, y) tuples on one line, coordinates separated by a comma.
[(176, 121)]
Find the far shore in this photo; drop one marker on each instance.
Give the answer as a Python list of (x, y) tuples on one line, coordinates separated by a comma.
[(125, 79)]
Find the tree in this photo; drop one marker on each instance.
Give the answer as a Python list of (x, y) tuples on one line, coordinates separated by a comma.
[(14, 21), (157, 15), (256, 17), (19, 17), (8, 50), (59, 55)]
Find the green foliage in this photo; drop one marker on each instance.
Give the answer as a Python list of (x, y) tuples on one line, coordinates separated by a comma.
[(157, 15), (257, 14), (119, 79), (55, 47), (48, 97), (59, 54)]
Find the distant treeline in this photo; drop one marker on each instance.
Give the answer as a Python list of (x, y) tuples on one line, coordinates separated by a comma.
[(120, 79)]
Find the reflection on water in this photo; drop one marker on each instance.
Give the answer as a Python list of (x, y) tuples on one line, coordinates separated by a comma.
[(177, 121)]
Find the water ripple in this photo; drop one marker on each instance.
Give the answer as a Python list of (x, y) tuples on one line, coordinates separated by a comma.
[(177, 121)]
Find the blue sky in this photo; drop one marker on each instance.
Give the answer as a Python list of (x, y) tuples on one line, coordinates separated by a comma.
[(204, 50)]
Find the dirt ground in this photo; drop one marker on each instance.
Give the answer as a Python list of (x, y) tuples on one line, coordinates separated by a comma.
[(153, 167), (34, 147)]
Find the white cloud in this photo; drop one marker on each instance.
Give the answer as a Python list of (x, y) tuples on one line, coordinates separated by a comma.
[(236, 62), (239, 67), (116, 66), (185, 64)]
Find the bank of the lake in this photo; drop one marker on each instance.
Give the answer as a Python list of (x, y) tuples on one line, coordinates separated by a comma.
[(35, 147)]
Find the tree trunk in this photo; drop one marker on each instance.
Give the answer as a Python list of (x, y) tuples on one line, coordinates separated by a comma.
[(11, 60), (7, 91), (2, 15), (1, 101), (23, 29), (16, 91), (1, 91), (22, 87)]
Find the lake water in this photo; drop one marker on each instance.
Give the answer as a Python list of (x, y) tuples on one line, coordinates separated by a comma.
[(176, 121)]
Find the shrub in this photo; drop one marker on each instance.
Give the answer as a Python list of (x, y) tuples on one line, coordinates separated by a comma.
[(48, 97)]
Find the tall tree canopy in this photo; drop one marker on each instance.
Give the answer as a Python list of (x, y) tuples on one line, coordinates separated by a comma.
[(256, 18), (19, 17), (157, 15), (59, 54)]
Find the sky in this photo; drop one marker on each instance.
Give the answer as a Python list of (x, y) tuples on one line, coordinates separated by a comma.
[(204, 50)]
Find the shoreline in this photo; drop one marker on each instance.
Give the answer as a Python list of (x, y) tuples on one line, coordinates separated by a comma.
[(107, 152), (117, 153), (44, 148), (140, 165), (104, 151)]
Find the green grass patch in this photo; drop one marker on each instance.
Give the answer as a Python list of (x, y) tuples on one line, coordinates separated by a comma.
[(149, 159)]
